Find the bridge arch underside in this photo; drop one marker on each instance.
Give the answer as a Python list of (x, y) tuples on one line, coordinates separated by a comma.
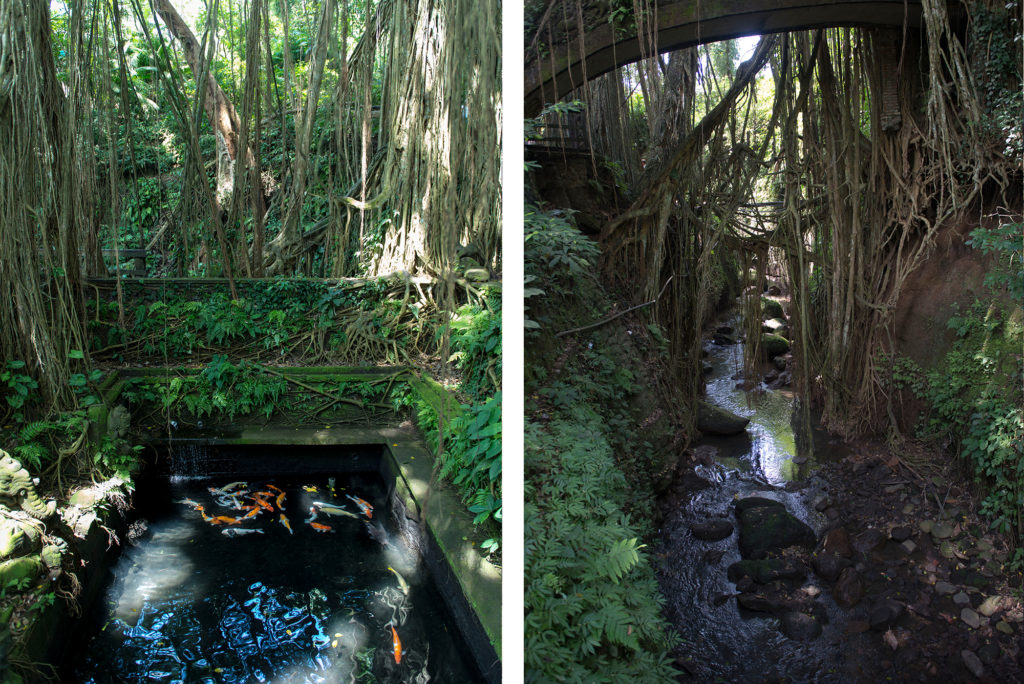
[(686, 23)]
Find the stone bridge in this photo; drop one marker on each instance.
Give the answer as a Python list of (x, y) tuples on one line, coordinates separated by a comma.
[(685, 23)]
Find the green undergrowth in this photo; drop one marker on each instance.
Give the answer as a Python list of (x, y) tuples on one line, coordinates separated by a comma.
[(281, 320), (595, 439), (55, 445), (469, 439), (974, 401), (226, 393), (593, 609)]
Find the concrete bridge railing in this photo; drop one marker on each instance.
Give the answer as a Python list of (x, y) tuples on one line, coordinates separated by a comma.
[(685, 23)]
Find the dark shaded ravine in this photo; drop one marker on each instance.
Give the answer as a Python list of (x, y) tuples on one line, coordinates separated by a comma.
[(723, 642), (926, 590)]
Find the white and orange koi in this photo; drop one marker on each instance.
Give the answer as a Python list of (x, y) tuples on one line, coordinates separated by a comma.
[(364, 506)]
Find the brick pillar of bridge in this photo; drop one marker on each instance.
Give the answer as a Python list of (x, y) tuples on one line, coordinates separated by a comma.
[(888, 46)]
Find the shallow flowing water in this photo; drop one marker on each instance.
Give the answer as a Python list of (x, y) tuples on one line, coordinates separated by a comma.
[(722, 641), (202, 600)]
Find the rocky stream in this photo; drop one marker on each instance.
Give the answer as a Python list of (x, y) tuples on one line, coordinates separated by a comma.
[(842, 566)]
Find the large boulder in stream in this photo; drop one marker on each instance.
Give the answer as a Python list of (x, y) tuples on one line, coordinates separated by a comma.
[(712, 420), (774, 345), (799, 626), (770, 308), (766, 570), (766, 526)]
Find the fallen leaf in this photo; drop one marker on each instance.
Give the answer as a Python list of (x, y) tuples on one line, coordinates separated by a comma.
[(890, 638)]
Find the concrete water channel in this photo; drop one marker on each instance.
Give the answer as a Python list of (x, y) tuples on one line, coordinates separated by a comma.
[(421, 527)]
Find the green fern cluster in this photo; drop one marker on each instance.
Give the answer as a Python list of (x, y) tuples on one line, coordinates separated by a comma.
[(593, 611), (222, 389), (476, 345), (471, 457), (274, 318), (37, 442)]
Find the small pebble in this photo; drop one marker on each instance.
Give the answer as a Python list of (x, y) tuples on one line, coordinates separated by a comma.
[(973, 663), (990, 605), (970, 617)]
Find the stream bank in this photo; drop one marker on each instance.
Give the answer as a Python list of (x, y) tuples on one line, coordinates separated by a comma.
[(899, 579)]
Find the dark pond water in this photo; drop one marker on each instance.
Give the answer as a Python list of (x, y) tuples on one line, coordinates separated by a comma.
[(203, 599)]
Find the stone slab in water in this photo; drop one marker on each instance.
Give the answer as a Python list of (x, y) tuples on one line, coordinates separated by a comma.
[(885, 614), (766, 570), (767, 528), (799, 626), (749, 502), (829, 566), (712, 530), (972, 663), (713, 420), (849, 590)]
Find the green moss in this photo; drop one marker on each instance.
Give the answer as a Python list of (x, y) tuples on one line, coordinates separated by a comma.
[(774, 345), (771, 309)]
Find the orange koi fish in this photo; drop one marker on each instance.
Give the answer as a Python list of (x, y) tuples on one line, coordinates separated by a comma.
[(276, 489), (284, 521), (258, 498), (280, 501), (224, 520), (253, 512), (364, 506), (321, 528), (397, 643)]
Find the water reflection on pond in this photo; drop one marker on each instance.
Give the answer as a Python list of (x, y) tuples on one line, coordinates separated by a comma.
[(311, 585)]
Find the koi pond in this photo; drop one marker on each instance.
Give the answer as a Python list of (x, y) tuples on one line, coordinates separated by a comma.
[(279, 578)]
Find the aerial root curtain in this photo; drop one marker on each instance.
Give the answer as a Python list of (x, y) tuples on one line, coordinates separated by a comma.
[(442, 116)]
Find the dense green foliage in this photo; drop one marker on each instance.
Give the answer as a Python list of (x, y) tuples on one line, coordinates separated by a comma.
[(469, 446), (557, 260), (225, 393), (1004, 242), (56, 445), (592, 612), (281, 319), (592, 603), (974, 396)]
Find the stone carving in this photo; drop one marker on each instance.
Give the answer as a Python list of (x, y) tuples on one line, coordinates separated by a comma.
[(118, 422), (22, 513), (18, 490)]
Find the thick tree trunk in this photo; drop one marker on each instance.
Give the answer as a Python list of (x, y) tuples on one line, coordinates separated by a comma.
[(218, 107)]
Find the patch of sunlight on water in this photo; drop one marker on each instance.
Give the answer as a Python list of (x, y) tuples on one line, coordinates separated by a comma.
[(769, 444)]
